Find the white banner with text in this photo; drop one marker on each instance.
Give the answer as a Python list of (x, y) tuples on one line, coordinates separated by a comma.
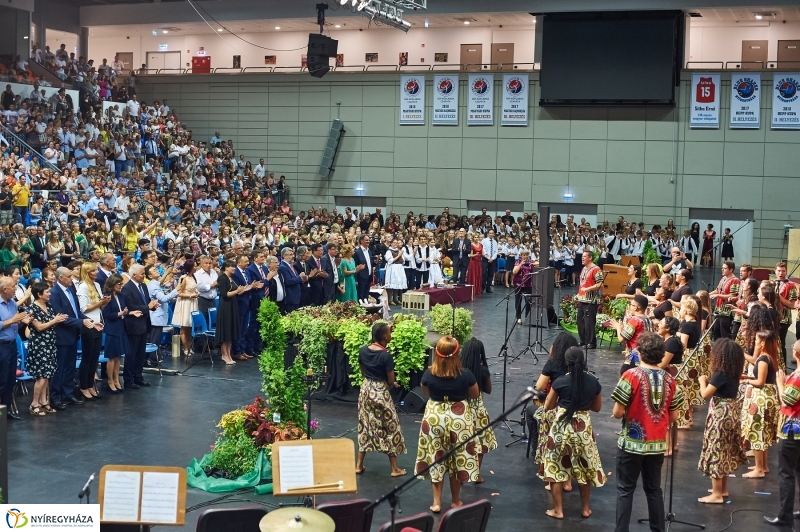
[(445, 100), (480, 100), (412, 100)]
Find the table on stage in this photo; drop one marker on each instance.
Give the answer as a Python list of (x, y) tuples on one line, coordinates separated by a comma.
[(441, 296)]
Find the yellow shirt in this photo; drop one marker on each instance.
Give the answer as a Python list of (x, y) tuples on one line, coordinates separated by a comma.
[(131, 240), (21, 195)]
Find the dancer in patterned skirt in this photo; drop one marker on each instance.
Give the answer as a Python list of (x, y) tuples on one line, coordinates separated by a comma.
[(722, 452), (760, 408), (672, 361), (689, 334), (447, 422), (571, 451), (378, 426), (473, 358)]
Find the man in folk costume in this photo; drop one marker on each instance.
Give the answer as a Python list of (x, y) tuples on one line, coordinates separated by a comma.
[(787, 293), (628, 332), (727, 290), (588, 298)]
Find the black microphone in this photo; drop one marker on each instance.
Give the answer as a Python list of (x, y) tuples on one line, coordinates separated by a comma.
[(85, 489)]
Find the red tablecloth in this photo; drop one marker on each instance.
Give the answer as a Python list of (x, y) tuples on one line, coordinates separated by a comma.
[(459, 294)]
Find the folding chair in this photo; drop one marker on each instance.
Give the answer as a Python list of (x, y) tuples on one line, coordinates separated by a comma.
[(468, 518), (200, 331), (422, 522), (22, 350), (220, 519), (212, 320), (349, 515)]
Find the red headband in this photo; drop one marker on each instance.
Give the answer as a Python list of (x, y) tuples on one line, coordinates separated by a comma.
[(455, 351)]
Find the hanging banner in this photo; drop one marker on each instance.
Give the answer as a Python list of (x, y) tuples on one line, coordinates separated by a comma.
[(705, 101), (445, 100), (746, 101), (785, 103), (412, 100), (480, 101), (515, 100)]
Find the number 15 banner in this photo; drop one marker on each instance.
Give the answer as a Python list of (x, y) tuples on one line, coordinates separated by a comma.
[(705, 101), (515, 100)]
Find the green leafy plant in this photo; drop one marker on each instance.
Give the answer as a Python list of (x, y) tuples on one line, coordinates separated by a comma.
[(234, 453), (442, 322), (408, 348), (354, 334), (650, 256), (615, 307)]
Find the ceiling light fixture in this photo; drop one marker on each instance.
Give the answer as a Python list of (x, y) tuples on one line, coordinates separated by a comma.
[(759, 17), (220, 29), (164, 31), (466, 22), (426, 24), (277, 27), (338, 26)]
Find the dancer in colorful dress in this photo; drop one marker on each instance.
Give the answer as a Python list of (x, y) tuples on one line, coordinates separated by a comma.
[(473, 358)]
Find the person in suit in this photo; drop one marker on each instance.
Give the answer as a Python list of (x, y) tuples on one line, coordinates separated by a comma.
[(108, 267), (64, 300), (117, 346), (137, 297), (256, 271), (240, 276), (292, 280), (331, 270), (301, 255), (38, 241), (364, 267), (316, 276), (460, 257), (276, 288)]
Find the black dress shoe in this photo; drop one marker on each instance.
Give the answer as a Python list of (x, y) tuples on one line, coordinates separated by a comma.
[(12, 415), (73, 400), (132, 386), (777, 522), (591, 346), (59, 406), (142, 383)]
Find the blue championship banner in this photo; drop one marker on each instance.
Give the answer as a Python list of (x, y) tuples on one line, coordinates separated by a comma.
[(445, 100), (480, 100), (746, 101), (785, 104), (515, 100), (412, 100)]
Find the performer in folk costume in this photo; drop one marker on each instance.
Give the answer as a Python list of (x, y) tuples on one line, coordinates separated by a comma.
[(571, 451), (395, 277), (448, 420), (727, 290), (789, 436), (423, 262), (722, 452), (591, 281), (760, 409), (628, 332), (435, 276), (672, 361), (709, 235), (787, 296), (689, 333), (473, 358)]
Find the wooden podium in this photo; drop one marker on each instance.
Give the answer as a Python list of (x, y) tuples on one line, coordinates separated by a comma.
[(615, 278)]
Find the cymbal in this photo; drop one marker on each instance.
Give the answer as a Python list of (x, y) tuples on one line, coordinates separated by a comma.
[(293, 519)]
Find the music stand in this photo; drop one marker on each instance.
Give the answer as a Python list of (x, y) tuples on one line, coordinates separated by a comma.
[(141, 495), (333, 467)]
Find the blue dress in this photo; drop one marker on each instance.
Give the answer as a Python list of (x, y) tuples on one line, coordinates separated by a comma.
[(114, 327)]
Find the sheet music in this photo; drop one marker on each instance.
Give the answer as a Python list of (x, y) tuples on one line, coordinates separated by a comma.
[(160, 497), (296, 467), (121, 496)]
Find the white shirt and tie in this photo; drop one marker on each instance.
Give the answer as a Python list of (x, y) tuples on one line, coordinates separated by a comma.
[(489, 248), (334, 268), (365, 251)]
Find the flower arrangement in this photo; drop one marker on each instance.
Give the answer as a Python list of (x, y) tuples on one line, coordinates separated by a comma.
[(609, 307), (442, 322)]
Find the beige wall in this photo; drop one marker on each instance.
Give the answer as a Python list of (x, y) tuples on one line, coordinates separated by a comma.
[(645, 164), (710, 41)]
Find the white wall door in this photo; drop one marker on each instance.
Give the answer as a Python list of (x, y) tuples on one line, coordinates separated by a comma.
[(159, 60)]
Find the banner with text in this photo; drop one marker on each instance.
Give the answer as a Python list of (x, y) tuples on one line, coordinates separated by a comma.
[(745, 101), (445, 100), (412, 100), (705, 101), (480, 101), (785, 103), (515, 100)]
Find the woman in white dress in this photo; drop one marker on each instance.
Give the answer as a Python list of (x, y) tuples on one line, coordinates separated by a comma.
[(395, 272), (435, 277), (187, 303)]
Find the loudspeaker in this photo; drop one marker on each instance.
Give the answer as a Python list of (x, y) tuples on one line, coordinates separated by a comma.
[(415, 401), (318, 65), (321, 45), (331, 148)]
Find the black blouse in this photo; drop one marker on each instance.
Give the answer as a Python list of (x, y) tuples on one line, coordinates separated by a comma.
[(630, 289), (376, 364), (442, 389)]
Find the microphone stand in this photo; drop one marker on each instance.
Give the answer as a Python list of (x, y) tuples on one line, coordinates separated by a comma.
[(673, 428), (86, 491), (393, 497)]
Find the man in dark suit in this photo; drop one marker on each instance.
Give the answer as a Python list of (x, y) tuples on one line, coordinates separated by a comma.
[(64, 300), (292, 280), (257, 272), (38, 241), (331, 273), (301, 255), (108, 267), (242, 278), (316, 276), (137, 325), (364, 267), (460, 257)]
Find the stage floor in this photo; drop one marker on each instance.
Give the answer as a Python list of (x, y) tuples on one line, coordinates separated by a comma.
[(174, 420)]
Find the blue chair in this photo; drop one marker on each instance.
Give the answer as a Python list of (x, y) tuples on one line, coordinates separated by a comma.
[(381, 275), (22, 350), (212, 320), (200, 331)]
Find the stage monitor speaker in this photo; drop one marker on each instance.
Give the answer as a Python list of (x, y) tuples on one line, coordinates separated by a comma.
[(415, 401)]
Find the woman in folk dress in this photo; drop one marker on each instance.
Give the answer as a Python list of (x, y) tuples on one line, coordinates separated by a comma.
[(395, 275), (473, 358)]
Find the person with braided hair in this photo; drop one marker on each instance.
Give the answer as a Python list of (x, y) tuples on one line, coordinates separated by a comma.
[(473, 358), (571, 451)]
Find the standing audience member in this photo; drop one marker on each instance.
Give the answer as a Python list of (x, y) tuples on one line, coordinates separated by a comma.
[(331, 273), (347, 272), (459, 254), (228, 322), (91, 304), (186, 304), (137, 325), (206, 278), (158, 315), (258, 272), (242, 278), (41, 359), (291, 280), (364, 267), (10, 319), (117, 344)]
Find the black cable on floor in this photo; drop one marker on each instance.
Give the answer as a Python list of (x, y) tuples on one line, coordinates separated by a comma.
[(743, 510)]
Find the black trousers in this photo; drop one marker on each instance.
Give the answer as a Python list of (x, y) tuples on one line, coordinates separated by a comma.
[(784, 328), (629, 467), (91, 340), (488, 270), (587, 315), (134, 361), (411, 278), (518, 299), (8, 372), (421, 278), (203, 305), (789, 472), (362, 288), (460, 266), (722, 327), (735, 329)]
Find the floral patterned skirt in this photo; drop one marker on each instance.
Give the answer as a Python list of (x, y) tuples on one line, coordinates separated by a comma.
[(571, 452), (722, 452), (487, 441), (760, 412), (444, 425), (378, 425), (545, 419), (698, 365)]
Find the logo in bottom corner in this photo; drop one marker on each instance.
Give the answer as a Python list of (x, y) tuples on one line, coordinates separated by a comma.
[(16, 518)]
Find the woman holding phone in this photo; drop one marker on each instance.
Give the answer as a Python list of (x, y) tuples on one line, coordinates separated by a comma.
[(91, 301)]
